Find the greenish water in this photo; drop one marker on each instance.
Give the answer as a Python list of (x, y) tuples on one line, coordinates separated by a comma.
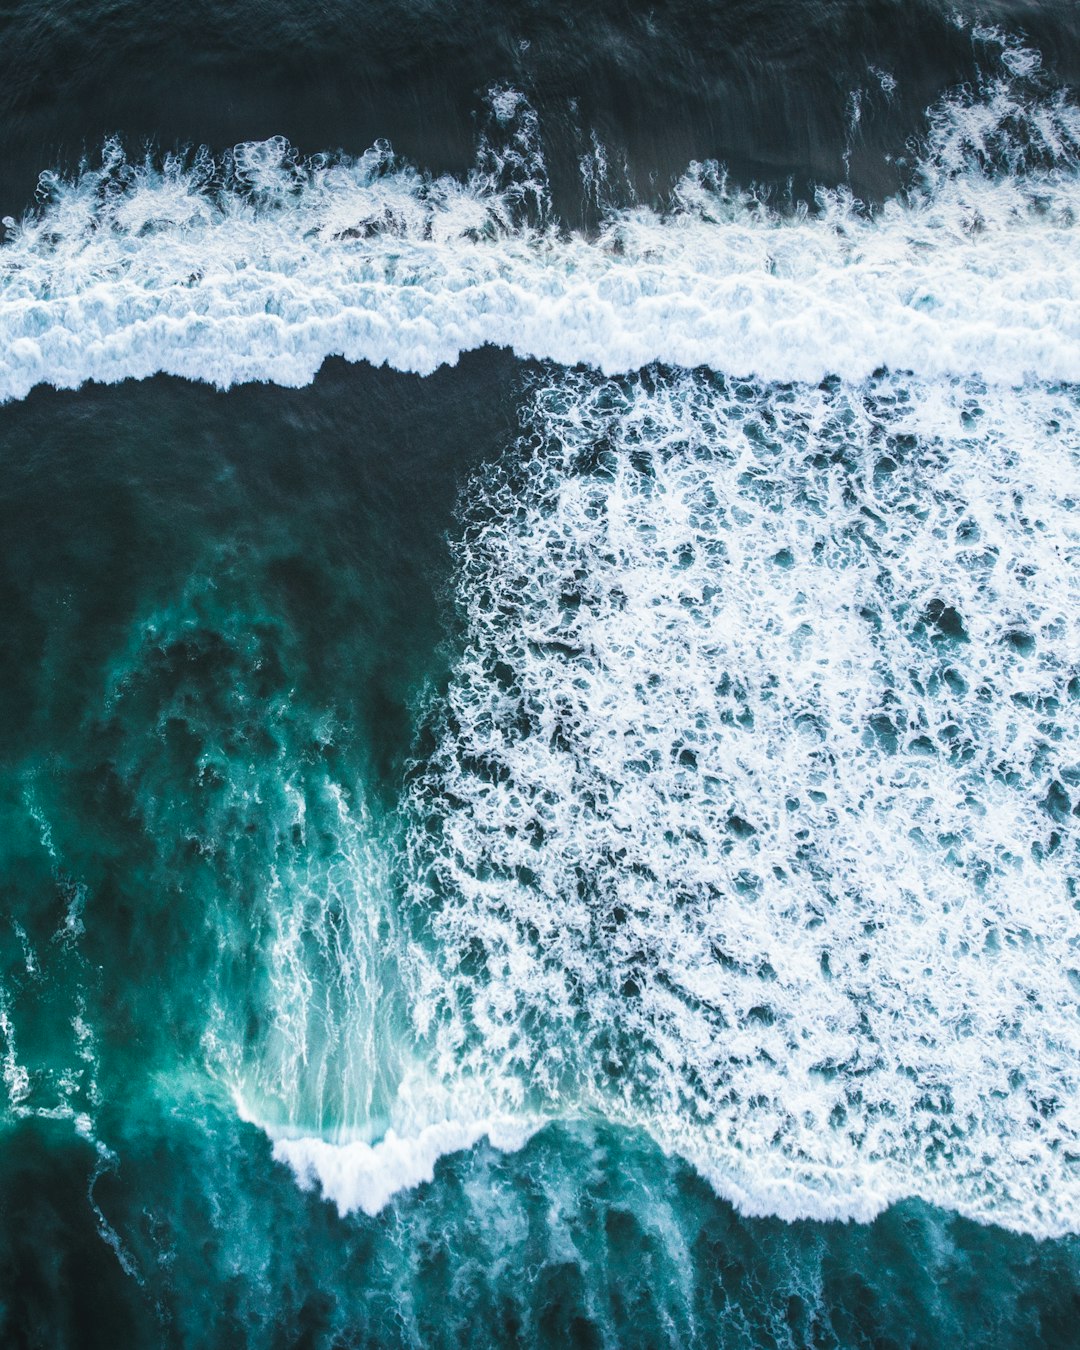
[(218, 606), (583, 1237)]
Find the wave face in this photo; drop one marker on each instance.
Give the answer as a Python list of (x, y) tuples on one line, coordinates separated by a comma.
[(262, 265)]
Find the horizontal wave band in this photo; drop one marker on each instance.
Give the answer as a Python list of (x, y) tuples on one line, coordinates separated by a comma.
[(261, 266)]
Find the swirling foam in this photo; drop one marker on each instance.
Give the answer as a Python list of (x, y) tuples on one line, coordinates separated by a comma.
[(753, 817)]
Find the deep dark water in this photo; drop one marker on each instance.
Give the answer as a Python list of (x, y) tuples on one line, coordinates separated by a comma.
[(113, 497), (763, 89)]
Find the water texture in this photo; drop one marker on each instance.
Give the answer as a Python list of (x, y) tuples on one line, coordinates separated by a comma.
[(540, 720)]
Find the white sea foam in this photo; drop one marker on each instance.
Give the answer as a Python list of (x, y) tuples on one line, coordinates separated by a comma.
[(753, 819), (427, 1124), (364, 1176), (262, 266)]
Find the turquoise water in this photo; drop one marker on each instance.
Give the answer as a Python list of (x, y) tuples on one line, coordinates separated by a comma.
[(616, 1242), (207, 638)]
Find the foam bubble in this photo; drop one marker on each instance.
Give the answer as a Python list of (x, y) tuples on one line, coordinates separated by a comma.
[(363, 1176)]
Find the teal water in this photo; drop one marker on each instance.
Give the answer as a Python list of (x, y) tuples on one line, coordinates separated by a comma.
[(218, 606), (210, 623), (584, 1238)]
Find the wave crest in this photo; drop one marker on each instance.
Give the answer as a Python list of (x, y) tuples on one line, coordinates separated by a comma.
[(261, 264)]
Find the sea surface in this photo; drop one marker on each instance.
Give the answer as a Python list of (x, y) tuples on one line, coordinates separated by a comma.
[(539, 674)]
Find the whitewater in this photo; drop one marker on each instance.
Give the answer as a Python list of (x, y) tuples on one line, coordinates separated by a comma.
[(750, 820), (261, 265)]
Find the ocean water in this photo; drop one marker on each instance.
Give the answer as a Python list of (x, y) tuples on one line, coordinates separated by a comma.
[(539, 675)]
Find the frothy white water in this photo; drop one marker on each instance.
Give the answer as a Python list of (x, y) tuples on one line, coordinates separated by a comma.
[(364, 1176), (261, 267), (752, 817), (754, 814)]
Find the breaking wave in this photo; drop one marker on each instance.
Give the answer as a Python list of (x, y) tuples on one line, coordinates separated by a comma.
[(750, 813), (260, 265)]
